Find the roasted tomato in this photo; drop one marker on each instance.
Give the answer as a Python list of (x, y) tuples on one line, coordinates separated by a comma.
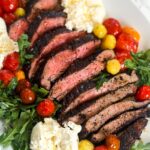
[(102, 147), (126, 42), (143, 93), (1, 12), (11, 62), (46, 108), (22, 84), (112, 142), (10, 6), (113, 26), (9, 18), (6, 76), (27, 96)]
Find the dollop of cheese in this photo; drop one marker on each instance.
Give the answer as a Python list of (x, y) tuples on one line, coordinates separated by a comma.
[(83, 14), (7, 45), (49, 135)]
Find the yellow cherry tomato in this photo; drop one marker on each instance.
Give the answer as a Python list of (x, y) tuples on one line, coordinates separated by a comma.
[(20, 12), (100, 31), (112, 142), (109, 42), (113, 66), (132, 32), (86, 145), (20, 75)]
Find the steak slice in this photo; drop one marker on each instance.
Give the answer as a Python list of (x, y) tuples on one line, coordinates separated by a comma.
[(118, 124), (18, 28), (114, 83), (132, 133), (38, 6), (96, 122), (64, 86), (61, 61), (103, 102), (55, 42)]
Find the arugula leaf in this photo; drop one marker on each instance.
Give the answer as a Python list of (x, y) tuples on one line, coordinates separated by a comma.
[(23, 44), (103, 77), (141, 146), (141, 63)]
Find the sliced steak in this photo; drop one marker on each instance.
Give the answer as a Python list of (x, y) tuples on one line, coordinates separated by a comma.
[(64, 86), (60, 62), (114, 83), (38, 6), (132, 133), (55, 42), (96, 122), (18, 28), (118, 124)]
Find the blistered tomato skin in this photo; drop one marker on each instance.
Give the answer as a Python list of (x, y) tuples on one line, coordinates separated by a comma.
[(102, 147), (127, 42), (113, 26), (6, 76), (27, 96), (46, 108), (11, 61), (143, 93), (9, 18), (10, 6), (112, 142)]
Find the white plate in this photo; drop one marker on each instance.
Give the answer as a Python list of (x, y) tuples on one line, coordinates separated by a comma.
[(126, 12)]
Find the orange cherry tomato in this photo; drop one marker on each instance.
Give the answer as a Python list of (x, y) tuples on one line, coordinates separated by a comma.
[(6, 76), (112, 142), (113, 26), (102, 147), (132, 32), (126, 42), (143, 93), (46, 108), (27, 96)]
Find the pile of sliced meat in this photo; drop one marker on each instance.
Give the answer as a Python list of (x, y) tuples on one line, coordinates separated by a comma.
[(66, 62)]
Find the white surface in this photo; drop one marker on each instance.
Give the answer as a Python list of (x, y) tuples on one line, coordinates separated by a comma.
[(129, 14)]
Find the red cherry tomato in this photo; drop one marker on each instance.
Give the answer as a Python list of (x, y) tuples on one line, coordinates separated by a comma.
[(46, 108), (1, 12), (102, 147), (126, 42), (11, 62), (113, 26), (10, 6), (143, 93), (6, 76), (9, 18)]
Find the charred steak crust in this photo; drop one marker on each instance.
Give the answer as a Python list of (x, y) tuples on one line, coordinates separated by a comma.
[(132, 133), (43, 15)]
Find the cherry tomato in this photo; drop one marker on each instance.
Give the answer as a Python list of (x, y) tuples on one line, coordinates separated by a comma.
[(1, 12), (22, 84), (10, 6), (112, 142), (9, 18), (27, 96), (113, 26), (6, 76), (126, 42), (11, 61), (46, 108), (143, 93), (102, 147), (132, 32)]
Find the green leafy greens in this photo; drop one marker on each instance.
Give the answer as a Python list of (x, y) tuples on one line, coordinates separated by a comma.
[(23, 44), (141, 146), (141, 63)]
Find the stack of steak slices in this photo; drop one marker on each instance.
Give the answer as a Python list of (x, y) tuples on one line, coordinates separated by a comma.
[(66, 62)]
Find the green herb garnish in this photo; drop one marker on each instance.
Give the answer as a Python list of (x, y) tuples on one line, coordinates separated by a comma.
[(141, 146), (23, 44), (141, 63)]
